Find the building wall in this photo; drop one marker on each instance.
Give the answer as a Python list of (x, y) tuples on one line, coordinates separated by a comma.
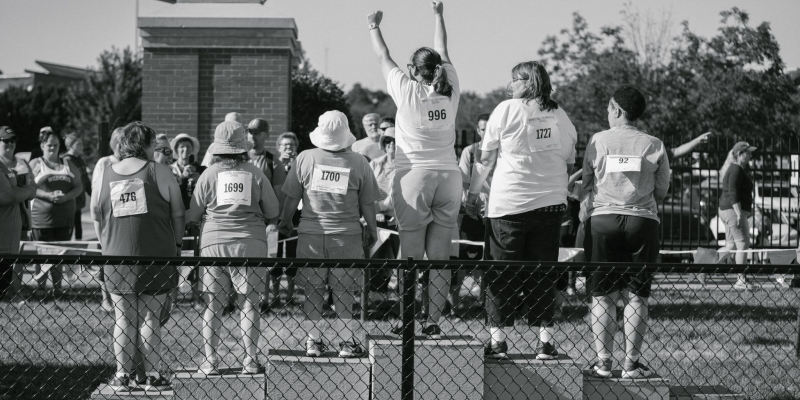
[(191, 90)]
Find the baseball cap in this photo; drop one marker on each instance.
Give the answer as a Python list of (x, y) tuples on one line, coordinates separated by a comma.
[(743, 146), (258, 125), (6, 133)]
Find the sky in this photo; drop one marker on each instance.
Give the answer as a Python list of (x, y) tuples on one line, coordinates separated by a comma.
[(486, 38)]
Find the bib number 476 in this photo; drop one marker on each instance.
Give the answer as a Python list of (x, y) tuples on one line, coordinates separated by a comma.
[(436, 115), (126, 197)]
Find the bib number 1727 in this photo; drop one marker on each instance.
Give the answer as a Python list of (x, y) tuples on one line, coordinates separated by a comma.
[(436, 115), (543, 133)]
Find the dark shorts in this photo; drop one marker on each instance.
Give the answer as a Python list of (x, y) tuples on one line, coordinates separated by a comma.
[(623, 239), (530, 236), (51, 234)]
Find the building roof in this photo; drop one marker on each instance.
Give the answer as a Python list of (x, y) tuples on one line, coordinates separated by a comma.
[(64, 71)]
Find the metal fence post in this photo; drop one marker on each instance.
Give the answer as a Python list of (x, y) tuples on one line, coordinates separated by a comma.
[(409, 314)]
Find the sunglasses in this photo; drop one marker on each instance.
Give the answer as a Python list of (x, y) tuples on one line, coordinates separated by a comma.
[(7, 141), (383, 128), (165, 151)]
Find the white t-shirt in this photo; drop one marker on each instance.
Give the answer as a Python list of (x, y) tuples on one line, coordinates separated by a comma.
[(425, 130), (534, 150)]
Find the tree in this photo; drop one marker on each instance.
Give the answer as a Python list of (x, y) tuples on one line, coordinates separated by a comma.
[(312, 95), (363, 101), (113, 93), (27, 112)]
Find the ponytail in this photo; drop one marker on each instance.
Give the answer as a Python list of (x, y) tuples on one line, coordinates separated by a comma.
[(429, 64), (440, 83)]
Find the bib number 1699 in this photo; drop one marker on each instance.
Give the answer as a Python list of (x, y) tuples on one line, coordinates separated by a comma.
[(436, 115)]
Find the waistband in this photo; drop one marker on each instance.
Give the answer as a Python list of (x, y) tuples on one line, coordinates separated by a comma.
[(554, 208)]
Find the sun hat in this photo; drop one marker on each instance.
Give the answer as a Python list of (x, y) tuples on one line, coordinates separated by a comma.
[(6, 133), (233, 116), (742, 146), (183, 136), (387, 134), (333, 132), (229, 138)]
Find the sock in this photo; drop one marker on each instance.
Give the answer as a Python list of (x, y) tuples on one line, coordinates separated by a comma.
[(604, 356), (546, 334), (498, 335)]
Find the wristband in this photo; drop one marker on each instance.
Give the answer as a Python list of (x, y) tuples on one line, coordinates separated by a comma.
[(373, 26)]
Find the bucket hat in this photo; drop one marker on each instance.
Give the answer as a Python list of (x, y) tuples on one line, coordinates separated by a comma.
[(229, 138), (332, 132), (184, 136)]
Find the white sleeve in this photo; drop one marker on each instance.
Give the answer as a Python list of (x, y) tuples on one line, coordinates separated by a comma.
[(494, 127), (569, 132), (398, 85)]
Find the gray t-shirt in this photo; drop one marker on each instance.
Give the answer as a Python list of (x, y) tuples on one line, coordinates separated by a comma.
[(332, 186), (623, 170)]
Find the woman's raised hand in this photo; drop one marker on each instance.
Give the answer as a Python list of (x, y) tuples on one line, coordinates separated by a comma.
[(375, 17), (438, 7)]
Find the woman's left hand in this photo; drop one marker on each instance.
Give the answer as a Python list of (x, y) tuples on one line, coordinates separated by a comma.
[(375, 17)]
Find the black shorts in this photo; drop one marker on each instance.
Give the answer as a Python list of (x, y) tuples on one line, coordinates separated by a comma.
[(624, 239)]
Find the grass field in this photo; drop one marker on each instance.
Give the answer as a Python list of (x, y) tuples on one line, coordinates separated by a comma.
[(715, 336)]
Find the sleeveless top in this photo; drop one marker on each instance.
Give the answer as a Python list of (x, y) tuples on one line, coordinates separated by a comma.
[(45, 214)]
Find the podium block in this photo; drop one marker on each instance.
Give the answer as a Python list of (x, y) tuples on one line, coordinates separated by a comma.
[(703, 393), (450, 368), (103, 392), (231, 384), (293, 375), (522, 376), (652, 388)]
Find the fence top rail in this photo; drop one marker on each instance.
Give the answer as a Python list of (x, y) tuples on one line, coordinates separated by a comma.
[(555, 266)]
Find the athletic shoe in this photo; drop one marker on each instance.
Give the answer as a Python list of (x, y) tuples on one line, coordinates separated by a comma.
[(315, 348), (397, 330), (635, 370), (156, 384), (546, 351), (497, 351), (741, 285), (432, 331), (601, 369), (251, 366), (210, 367), (781, 283), (120, 383), (351, 349)]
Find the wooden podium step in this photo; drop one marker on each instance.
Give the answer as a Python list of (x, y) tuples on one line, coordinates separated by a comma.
[(293, 375), (103, 392), (652, 388), (522, 376), (717, 392), (450, 368), (231, 384)]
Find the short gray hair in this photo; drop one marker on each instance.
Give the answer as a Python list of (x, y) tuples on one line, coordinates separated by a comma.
[(287, 135)]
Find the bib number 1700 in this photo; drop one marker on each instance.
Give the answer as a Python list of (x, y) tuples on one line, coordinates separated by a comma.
[(436, 115), (330, 176)]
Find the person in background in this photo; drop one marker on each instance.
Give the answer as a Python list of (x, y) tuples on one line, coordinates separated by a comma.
[(383, 168), (257, 134), (74, 154), (426, 191), (386, 122), (472, 227), (53, 210), (238, 202), (336, 186), (185, 168), (369, 146), (286, 146), (530, 145), (625, 174), (15, 190), (97, 174), (736, 206), (163, 151), (138, 212)]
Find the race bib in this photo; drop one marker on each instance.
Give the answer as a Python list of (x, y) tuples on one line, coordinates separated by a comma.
[(330, 179), (233, 187), (437, 114), (543, 133), (127, 198), (623, 163)]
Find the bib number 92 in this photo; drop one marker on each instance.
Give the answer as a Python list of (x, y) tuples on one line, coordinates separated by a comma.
[(622, 160), (126, 197), (436, 115), (234, 187), (331, 176)]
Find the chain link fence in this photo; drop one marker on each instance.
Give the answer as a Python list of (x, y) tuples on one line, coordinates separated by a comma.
[(704, 337)]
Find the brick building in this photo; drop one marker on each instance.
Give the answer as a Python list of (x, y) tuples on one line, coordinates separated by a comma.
[(202, 61)]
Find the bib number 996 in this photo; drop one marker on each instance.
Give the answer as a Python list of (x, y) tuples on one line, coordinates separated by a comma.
[(436, 115)]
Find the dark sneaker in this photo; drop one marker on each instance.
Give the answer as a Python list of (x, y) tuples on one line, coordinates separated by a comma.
[(635, 370), (151, 383), (351, 349), (546, 351), (601, 369), (497, 351), (397, 330), (315, 348), (120, 383), (432, 331)]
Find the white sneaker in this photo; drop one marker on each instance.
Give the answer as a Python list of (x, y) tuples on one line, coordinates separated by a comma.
[(742, 285), (635, 370)]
